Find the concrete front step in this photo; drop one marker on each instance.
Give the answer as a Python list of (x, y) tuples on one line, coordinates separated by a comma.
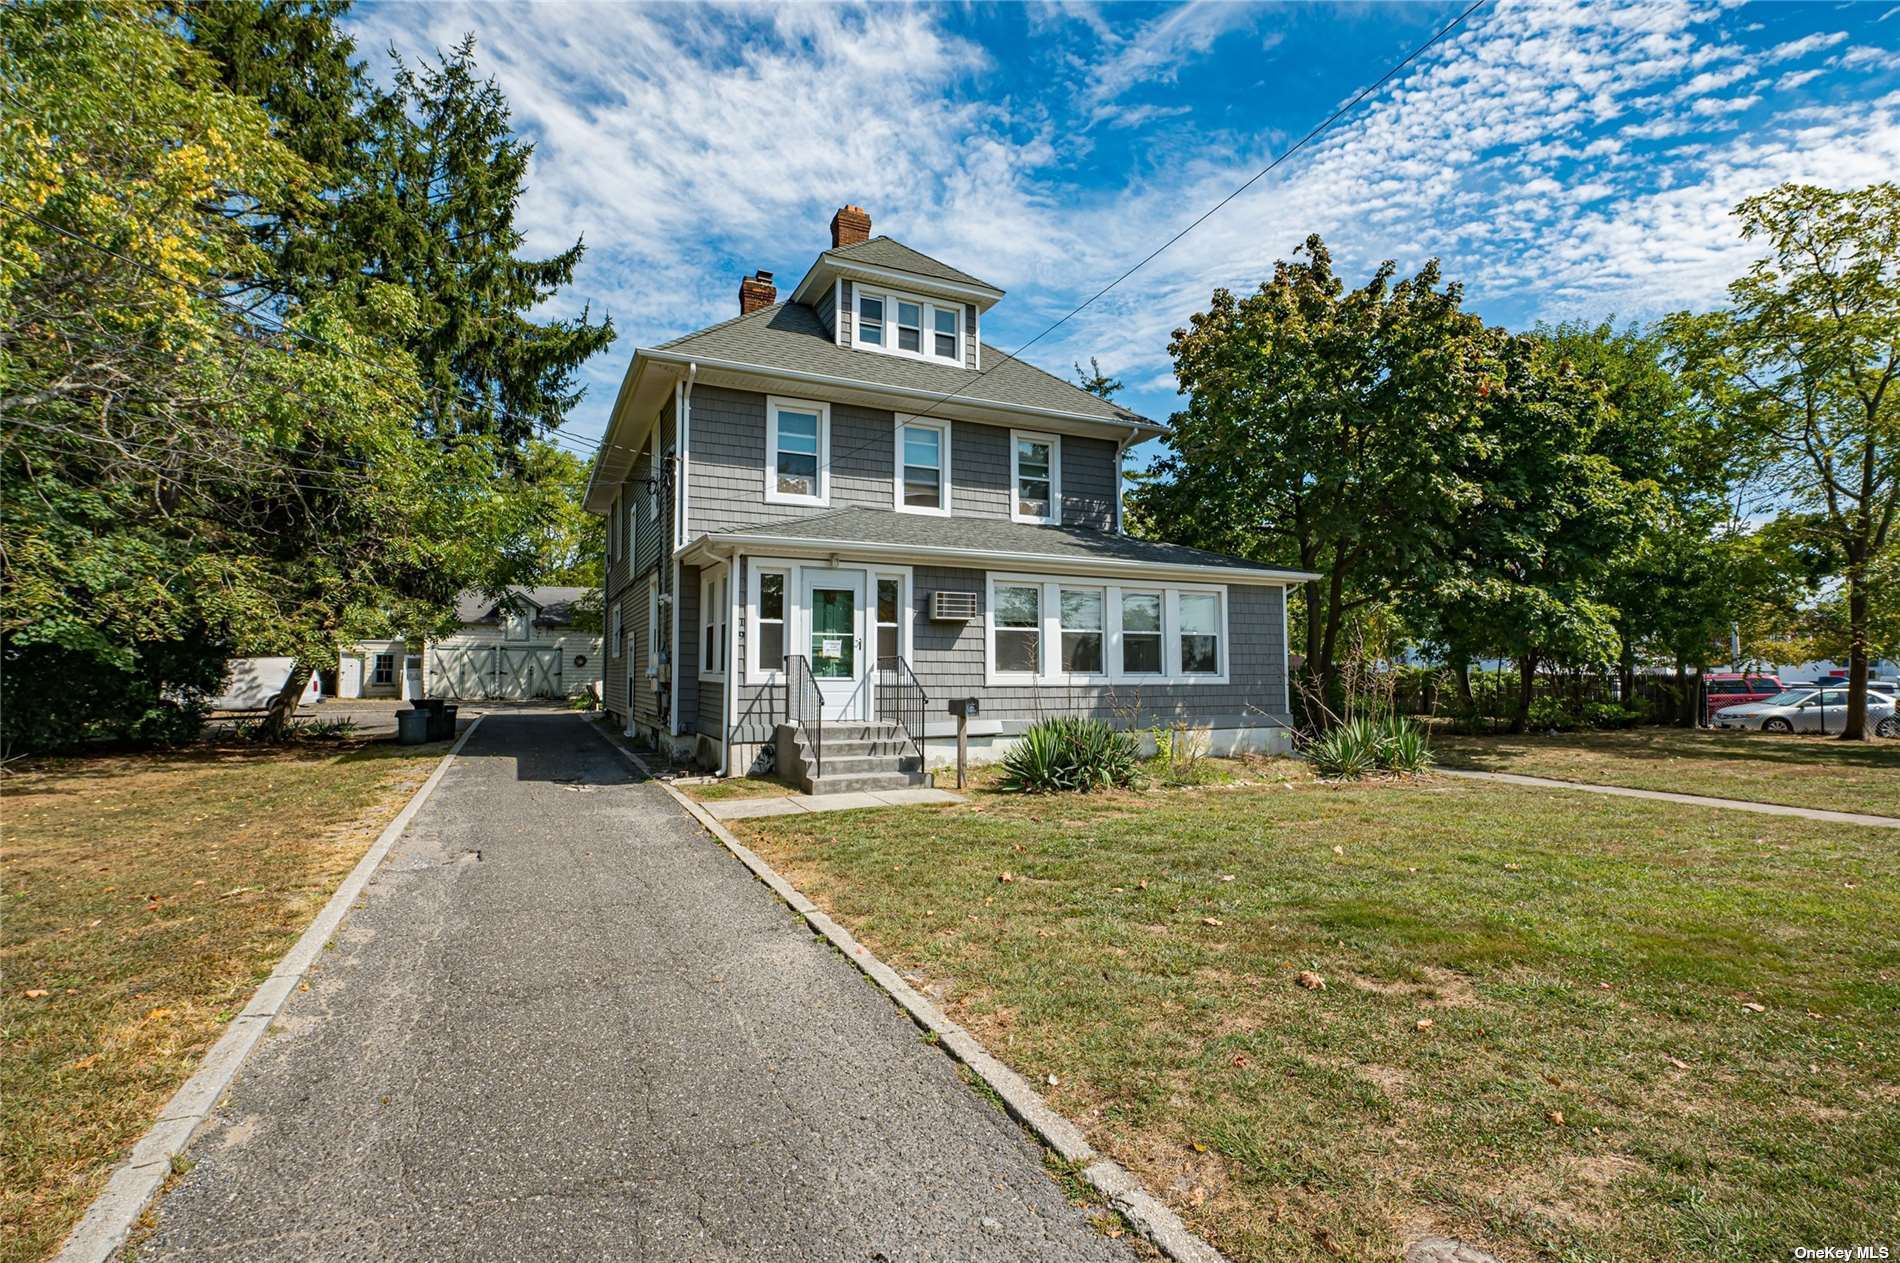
[(864, 782), (848, 765), (861, 749)]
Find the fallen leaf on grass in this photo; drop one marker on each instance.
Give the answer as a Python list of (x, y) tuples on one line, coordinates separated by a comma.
[(1144, 883), (1339, 850), (1007, 878), (1310, 980), (84, 1063), (1213, 921), (1197, 1196), (36, 993), (1054, 1082), (1424, 1023), (158, 1015), (1227, 877), (1556, 1116), (1240, 1061), (1677, 1062), (1752, 1007)]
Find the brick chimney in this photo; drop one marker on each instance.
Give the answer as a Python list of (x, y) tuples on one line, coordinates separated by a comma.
[(757, 291), (849, 226)]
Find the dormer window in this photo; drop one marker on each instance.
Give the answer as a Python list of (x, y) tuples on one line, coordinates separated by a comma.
[(909, 325)]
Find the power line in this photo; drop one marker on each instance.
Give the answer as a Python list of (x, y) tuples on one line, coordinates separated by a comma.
[(1206, 215)]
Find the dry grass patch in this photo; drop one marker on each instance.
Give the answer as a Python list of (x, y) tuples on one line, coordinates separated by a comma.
[(1534, 1030), (1796, 771), (145, 898)]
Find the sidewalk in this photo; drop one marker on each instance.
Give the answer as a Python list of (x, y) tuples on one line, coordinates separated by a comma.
[(1694, 800)]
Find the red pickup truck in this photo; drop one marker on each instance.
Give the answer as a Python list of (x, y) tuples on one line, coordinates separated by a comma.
[(1736, 688)]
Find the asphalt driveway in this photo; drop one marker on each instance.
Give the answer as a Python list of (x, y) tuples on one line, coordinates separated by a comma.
[(564, 1023)]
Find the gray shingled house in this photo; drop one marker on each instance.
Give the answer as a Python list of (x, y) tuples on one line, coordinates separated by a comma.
[(833, 519)]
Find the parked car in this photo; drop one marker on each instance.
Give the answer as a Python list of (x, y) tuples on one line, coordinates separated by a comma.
[(1805, 708), (1734, 688)]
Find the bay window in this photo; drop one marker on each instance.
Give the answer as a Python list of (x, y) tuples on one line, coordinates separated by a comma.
[(1035, 465), (798, 452), (923, 459), (1018, 635)]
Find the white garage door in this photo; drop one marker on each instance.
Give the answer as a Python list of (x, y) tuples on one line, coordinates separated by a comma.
[(478, 672)]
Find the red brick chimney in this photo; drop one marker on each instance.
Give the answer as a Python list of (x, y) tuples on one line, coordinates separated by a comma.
[(756, 291), (849, 226)]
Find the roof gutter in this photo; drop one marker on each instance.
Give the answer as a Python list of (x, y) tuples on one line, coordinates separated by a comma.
[(727, 543), (903, 392)]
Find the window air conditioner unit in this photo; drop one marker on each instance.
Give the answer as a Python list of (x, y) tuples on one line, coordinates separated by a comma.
[(952, 607)]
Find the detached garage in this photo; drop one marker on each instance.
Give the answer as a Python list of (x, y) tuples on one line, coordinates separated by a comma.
[(522, 646)]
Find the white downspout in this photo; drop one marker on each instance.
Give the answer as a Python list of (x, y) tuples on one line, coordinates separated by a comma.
[(682, 432), (731, 699)]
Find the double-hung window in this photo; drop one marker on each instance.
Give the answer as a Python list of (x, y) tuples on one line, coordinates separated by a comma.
[(1082, 631), (1141, 633), (798, 452), (1035, 464), (870, 319), (615, 638), (923, 460), (910, 325), (1200, 633), (385, 671), (1066, 631), (1017, 628)]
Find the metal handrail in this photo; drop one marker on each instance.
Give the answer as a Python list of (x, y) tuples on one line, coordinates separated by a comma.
[(904, 701), (805, 707)]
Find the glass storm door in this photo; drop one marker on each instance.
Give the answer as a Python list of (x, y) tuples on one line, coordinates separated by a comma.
[(834, 607)]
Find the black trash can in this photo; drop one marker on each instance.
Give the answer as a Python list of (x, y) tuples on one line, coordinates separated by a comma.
[(441, 728), (412, 726), (448, 722)]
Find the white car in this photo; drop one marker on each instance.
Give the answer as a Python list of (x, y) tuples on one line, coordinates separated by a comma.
[(1809, 709)]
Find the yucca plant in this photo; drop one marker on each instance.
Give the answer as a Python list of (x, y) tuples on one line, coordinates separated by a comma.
[(1348, 752), (1405, 747), (1067, 753)]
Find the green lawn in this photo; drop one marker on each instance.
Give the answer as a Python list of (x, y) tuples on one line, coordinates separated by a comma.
[(1800, 771), (1536, 1029), (145, 898)]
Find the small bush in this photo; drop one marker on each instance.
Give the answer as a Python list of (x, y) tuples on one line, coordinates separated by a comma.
[(1548, 713), (1609, 715), (1181, 756), (1068, 754), (1360, 747)]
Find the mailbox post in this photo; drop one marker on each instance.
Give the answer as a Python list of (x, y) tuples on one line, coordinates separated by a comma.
[(963, 708)]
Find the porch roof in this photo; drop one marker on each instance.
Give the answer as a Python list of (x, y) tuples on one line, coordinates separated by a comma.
[(988, 543)]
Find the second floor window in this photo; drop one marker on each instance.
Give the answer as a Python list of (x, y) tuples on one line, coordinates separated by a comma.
[(1036, 467), (910, 325), (798, 442), (923, 458)]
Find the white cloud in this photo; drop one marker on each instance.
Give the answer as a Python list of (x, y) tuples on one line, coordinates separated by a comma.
[(1864, 57), (1158, 51), (1725, 105), (1795, 78), (1805, 45)]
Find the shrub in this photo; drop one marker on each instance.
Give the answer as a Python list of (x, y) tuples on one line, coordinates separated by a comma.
[(1609, 715), (1181, 754), (1069, 754), (1549, 712), (1359, 747)]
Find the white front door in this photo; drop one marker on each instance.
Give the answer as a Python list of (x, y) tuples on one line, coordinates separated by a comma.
[(834, 642)]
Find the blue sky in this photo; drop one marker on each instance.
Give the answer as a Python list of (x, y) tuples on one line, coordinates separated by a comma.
[(1564, 160)]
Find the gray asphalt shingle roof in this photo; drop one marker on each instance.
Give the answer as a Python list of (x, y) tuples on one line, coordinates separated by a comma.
[(886, 253), (1065, 543), (555, 604), (789, 335)]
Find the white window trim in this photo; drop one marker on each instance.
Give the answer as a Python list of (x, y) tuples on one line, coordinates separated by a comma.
[(1049, 643), (942, 428), (715, 605), (926, 330), (774, 404), (1055, 477), (797, 617)]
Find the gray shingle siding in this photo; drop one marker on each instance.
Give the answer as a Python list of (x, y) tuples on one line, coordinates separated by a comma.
[(950, 659), (847, 326), (686, 659), (729, 467)]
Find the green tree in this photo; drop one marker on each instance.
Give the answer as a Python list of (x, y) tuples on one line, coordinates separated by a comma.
[(1096, 382), (572, 542), (1327, 430), (1800, 372), (183, 476)]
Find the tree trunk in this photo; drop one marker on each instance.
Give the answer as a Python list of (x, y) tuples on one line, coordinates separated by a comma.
[(1464, 685), (1857, 664), (1526, 686), (284, 705)]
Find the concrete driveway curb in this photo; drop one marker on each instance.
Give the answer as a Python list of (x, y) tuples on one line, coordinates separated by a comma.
[(107, 1223), (1667, 796), (1149, 1215)]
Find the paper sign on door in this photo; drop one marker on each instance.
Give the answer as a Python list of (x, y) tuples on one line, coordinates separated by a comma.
[(832, 648)]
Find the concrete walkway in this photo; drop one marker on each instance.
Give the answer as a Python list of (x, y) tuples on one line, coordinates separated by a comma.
[(565, 1023), (1694, 800), (796, 804)]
